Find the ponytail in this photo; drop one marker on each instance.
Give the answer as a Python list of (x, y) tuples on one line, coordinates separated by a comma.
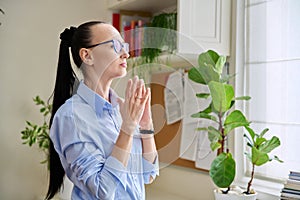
[(65, 78), (76, 38)]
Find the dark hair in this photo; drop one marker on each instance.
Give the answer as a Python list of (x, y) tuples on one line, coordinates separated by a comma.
[(76, 38)]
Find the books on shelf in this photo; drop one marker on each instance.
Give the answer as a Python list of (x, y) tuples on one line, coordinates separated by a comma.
[(291, 188), (294, 175), (131, 24)]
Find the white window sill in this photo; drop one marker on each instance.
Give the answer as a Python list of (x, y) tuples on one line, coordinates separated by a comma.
[(267, 190)]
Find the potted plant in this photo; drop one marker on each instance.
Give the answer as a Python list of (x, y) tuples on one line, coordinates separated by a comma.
[(39, 134), (160, 36), (225, 119)]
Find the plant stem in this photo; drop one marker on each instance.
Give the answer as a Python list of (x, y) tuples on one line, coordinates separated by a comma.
[(221, 150), (226, 191), (250, 182)]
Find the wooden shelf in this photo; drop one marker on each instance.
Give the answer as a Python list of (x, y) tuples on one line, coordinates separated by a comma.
[(175, 61), (152, 6)]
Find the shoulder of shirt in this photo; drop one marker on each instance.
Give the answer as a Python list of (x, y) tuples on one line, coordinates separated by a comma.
[(73, 106)]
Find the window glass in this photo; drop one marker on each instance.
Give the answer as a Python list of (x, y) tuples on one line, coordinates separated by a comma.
[(272, 56)]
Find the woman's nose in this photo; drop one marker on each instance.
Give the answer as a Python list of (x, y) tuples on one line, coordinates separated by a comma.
[(124, 53)]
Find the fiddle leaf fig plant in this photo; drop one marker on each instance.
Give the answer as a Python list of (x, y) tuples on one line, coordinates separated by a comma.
[(38, 134), (260, 148), (225, 119)]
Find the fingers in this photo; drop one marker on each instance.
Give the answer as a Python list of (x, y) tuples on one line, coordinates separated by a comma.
[(134, 86), (136, 89), (148, 96), (128, 92), (136, 109), (139, 90)]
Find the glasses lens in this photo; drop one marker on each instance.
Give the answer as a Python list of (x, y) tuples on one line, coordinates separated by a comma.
[(118, 46), (126, 47)]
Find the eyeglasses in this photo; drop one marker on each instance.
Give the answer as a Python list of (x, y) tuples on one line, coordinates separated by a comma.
[(118, 46)]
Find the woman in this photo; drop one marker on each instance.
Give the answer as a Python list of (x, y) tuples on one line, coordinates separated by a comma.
[(104, 145)]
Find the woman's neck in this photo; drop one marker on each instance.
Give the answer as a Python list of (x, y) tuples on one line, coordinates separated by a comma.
[(101, 87)]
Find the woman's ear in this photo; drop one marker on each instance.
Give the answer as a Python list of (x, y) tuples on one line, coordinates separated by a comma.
[(86, 56)]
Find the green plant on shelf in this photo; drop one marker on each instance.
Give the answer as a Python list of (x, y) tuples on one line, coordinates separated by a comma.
[(161, 36)]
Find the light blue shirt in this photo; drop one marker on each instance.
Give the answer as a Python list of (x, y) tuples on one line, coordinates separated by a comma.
[(84, 131)]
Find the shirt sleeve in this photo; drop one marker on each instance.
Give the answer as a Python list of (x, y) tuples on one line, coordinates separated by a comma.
[(150, 169), (86, 163)]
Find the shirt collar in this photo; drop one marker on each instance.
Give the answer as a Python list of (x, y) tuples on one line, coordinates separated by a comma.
[(97, 102)]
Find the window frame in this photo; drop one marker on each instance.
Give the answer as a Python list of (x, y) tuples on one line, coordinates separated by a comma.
[(267, 189)]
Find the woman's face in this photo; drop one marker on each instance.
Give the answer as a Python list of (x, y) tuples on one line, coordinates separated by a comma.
[(107, 63)]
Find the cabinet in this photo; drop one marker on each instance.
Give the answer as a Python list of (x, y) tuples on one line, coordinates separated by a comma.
[(152, 6), (203, 25)]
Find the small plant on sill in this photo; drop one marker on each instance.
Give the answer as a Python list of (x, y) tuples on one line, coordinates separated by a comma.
[(260, 148), (38, 134)]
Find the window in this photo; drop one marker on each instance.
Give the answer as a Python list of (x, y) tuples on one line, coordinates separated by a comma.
[(271, 71)]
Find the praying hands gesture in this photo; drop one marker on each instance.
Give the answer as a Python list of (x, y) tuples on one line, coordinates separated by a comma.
[(135, 109)]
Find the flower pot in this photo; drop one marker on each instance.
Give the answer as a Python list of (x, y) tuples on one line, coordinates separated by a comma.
[(234, 194)]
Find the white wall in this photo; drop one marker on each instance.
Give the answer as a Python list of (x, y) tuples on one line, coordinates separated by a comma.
[(29, 41)]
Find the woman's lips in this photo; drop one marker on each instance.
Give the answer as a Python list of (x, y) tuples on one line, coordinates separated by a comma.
[(124, 65)]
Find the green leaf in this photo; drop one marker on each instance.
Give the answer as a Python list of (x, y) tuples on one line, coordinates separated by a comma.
[(258, 157), (42, 109), (203, 95), (220, 64), (204, 116), (202, 129), (259, 141), (222, 95), (250, 142), (222, 170), (208, 73), (213, 134), (207, 110), (231, 104), (269, 145), (243, 98), (206, 68), (28, 123), (194, 75), (251, 132), (44, 161), (225, 78), (263, 132), (208, 58), (38, 101), (215, 145), (277, 159), (233, 120)]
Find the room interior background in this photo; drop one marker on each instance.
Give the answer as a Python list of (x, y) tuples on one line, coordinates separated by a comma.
[(29, 42)]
